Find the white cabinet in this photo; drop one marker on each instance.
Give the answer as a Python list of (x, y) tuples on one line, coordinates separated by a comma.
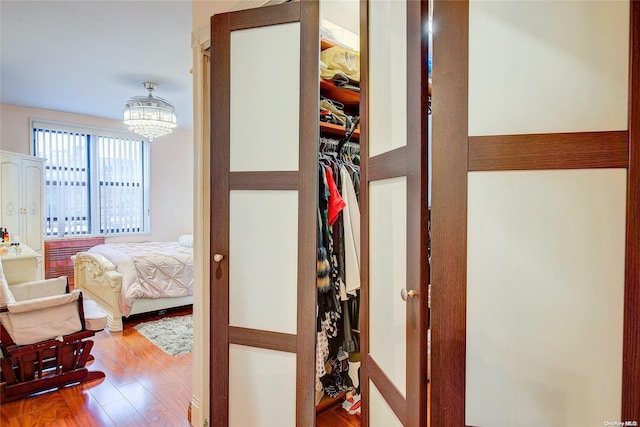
[(22, 198), (23, 266)]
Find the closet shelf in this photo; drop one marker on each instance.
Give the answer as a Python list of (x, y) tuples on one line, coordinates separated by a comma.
[(350, 98), (326, 44), (337, 131)]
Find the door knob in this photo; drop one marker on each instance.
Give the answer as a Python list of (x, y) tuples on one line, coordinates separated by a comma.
[(405, 294), (218, 257)]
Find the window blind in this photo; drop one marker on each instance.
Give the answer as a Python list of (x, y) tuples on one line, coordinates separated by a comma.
[(120, 171), (95, 180), (66, 189)]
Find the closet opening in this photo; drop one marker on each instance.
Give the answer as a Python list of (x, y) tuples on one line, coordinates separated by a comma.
[(351, 166), (337, 380)]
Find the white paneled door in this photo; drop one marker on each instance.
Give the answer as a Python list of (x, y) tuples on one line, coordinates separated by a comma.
[(535, 214), (264, 127), (395, 213)]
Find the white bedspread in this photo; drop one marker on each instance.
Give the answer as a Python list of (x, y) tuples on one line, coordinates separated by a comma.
[(150, 270)]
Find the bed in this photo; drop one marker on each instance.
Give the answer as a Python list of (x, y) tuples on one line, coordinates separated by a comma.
[(134, 278)]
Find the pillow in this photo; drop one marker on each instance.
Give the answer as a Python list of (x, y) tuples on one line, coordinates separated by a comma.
[(186, 240)]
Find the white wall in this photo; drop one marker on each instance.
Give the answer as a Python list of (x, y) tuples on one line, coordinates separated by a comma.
[(344, 13), (339, 12), (171, 166), (203, 10)]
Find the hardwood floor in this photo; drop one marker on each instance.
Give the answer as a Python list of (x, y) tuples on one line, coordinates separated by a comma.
[(331, 414), (143, 387), (335, 416)]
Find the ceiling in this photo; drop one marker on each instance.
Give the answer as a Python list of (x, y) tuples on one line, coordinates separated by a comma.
[(90, 57)]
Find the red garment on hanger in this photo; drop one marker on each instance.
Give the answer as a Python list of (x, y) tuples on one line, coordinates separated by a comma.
[(336, 203)]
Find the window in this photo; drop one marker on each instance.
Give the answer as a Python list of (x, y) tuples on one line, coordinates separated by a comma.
[(96, 181)]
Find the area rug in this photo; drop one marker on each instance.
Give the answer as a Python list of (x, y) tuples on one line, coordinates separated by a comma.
[(173, 335)]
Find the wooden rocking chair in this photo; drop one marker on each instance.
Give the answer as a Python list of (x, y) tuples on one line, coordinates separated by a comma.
[(43, 337)]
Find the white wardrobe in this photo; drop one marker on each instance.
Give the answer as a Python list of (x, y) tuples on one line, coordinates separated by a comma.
[(22, 198)]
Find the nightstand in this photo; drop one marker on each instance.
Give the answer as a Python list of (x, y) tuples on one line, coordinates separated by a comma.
[(23, 267)]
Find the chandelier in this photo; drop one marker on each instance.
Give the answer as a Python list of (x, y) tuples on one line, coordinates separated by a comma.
[(150, 116)]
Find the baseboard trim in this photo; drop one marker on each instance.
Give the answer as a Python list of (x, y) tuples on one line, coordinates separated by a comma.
[(196, 417)]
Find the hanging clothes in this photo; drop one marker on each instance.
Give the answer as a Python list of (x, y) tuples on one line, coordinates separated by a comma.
[(336, 202), (338, 269), (351, 218)]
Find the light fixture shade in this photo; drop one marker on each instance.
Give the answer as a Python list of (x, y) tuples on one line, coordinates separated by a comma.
[(150, 116)]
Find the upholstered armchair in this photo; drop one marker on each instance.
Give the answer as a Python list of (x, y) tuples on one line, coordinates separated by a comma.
[(44, 331)]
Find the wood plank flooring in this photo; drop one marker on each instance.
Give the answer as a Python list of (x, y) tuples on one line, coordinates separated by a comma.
[(143, 387), (336, 416), (331, 414)]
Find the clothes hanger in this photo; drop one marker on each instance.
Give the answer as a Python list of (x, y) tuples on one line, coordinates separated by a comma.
[(351, 127)]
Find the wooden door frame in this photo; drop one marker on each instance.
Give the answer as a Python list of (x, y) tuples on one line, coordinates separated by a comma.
[(631, 343), (304, 180), (455, 154)]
